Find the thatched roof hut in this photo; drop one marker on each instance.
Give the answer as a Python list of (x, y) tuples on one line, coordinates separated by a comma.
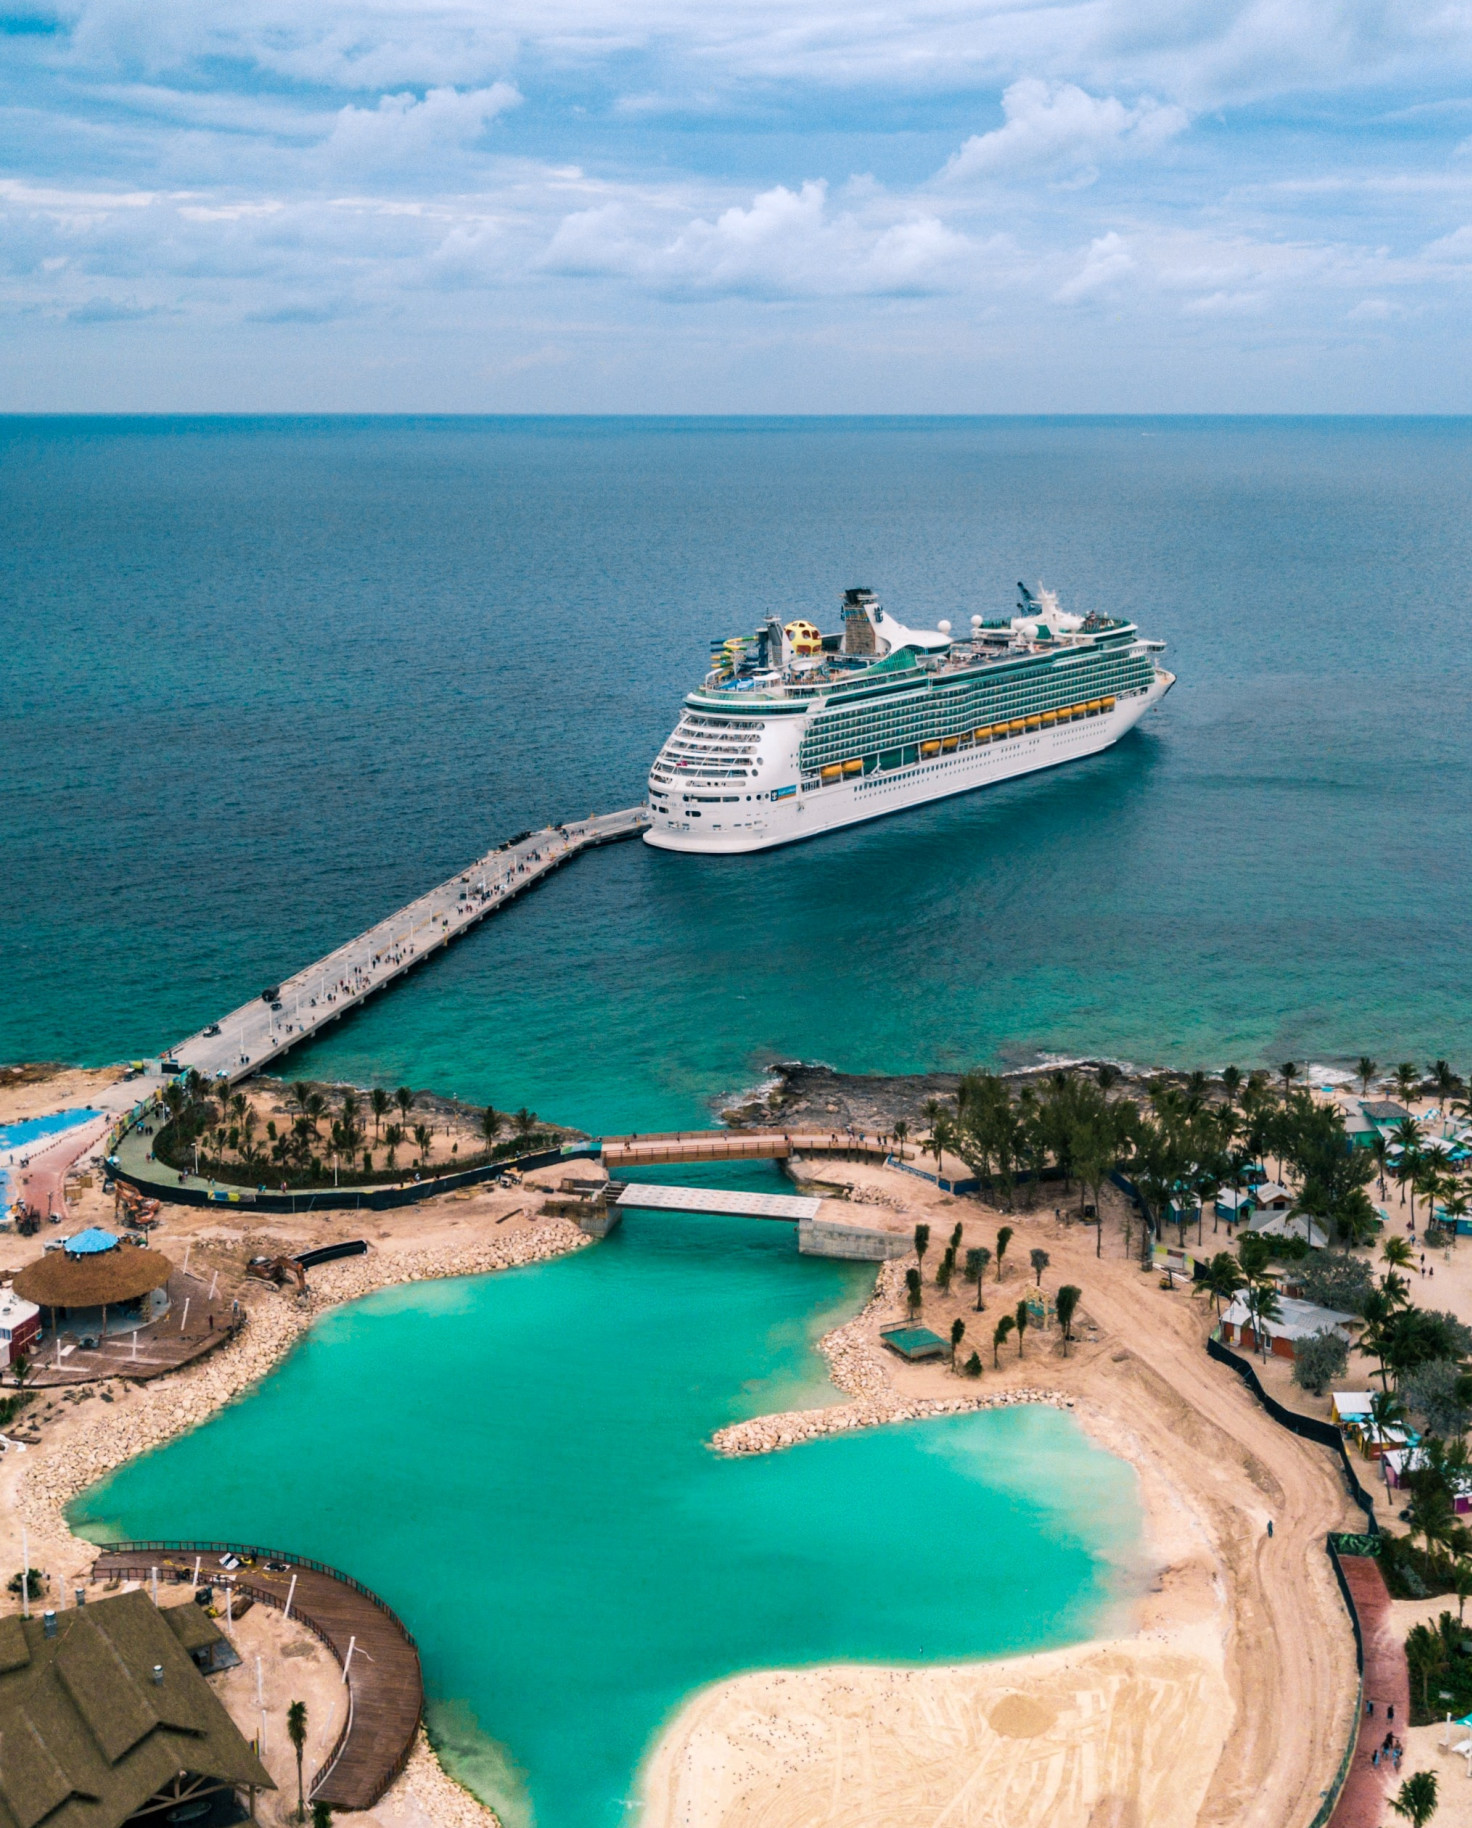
[(104, 1279)]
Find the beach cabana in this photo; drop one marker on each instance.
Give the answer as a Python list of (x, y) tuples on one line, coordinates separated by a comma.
[(1297, 1321), (1290, 1225), (1398, 1463), (96, 1284), (1271, 1196), (1233, 1204), (1349, 1408)]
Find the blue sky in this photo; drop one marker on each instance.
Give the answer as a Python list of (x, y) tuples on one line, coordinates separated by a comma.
[(654, 206)]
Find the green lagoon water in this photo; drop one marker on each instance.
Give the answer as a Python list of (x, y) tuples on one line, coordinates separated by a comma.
[(518, 1464)]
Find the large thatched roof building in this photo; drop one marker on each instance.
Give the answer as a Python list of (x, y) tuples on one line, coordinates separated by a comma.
[(104, 1716), (96, 1273)]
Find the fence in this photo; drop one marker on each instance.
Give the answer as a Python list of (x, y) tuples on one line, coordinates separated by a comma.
[(1309, 1427), (357, 1199)]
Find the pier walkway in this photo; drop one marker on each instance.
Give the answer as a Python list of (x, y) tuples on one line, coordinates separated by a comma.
[(303, 1005), (788, 1206), (674, 1147), (379, 1659)]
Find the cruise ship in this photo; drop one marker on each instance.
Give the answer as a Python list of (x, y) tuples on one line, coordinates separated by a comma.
[(794, 732)]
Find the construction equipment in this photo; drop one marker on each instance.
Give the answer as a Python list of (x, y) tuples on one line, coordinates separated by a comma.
[(278, 1271)]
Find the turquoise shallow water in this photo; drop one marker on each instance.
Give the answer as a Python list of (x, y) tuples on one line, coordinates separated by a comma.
[(534, 1442), (273, 677)]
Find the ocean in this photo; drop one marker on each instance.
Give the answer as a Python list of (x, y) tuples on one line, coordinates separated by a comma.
[(571, 1558), (268, 678)]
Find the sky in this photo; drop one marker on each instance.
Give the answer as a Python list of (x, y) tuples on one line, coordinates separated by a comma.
[(762, 206)]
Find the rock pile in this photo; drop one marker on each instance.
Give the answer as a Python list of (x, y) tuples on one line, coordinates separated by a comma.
[(860, 1368)]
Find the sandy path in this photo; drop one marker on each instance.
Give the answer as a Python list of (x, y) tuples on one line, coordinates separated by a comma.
[(1250, 1630)]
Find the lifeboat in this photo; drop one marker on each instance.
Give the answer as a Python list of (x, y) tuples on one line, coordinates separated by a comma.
[(930, 748), (1034, 722), (833, 772), (984, 734), (948, 743), (1017, 726), (1106, 704), (854, 767), (1048, 719)]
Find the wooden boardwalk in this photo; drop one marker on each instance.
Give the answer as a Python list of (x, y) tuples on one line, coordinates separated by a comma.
[(195, 1324), (307, 1002), (385, 1684)]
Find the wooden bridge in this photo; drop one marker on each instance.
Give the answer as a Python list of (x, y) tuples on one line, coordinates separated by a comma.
[(673, 1147), (384, 1682), (288, 1013)]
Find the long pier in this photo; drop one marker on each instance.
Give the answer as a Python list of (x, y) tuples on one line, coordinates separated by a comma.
[(669, 1149), (260, 1031)]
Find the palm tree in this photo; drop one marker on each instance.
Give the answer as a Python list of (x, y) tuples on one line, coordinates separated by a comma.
[(914, 1293), (1223, 1278), (393, 1136), (490, 1124), (423, 1136), (1287, 1072), (1397, 1253), (1462, 1581), (1231, 1077), (321, 1815), (525, 1121), (958, 1332), (1262, 1307), (301, 1091), (1040, 1261), (943, 1271), (380, 1101), (1066, 1302), (1446, 1081), (1022, 1317), (1416, 1800), (1107, 1075), (296, 1732), (999, 1337), (404, 1099), (1407, 1080), (1365, 1070), (1380, 1155), (1004, 1238), (922, 1243), (976, 1262), (901, 1131)]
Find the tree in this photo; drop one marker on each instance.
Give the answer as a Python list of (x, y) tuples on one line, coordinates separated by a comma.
[(1106, 1075), (1004, 1238), (1365, 1070), (1319, 1360), (1407, 1080), (922, 1243), (1445, 1081), (1462, 1581), (1231, 1077), (379, 1099), (296, 1732), (956, 1235), (490, 1125), (1287, 1072), (976, 1262), (404, 1099), (1397, 1253), (943, 1271), (1415, 1336), (423, 1137), (1441, 1394), (1223, 1278), (1066, 1301), (999, 1336), (20, 1369), (914, 1293), (1262, 1307), (1416, 1799), (958, 1331), (1022, 1317), (973, 1365), (1336, 1279), (901, 1131), (321, 1815), (1039, 1260)]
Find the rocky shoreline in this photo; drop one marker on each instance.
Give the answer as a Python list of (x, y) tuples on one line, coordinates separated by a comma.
[(157, 1412), (859, 1368)]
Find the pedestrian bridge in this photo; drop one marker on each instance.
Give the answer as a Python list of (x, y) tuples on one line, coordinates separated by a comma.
[(670, 1148)]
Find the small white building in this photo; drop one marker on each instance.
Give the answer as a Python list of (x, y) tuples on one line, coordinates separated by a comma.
[(1290, 1225), (1271, 1197), (1297, 1321), (20, 1324)]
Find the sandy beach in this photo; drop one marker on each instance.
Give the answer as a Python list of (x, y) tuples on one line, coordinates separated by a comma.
[(1177, 1717)]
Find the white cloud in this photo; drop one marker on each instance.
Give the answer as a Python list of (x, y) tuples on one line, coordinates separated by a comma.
[(1108, 260), (1058, 127), (405, 129), (784, 243)]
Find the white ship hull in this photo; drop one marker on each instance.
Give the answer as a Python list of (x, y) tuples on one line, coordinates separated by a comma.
[(755, 821)]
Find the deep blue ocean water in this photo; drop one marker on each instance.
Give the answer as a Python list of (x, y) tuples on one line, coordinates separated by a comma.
[(266, 679)]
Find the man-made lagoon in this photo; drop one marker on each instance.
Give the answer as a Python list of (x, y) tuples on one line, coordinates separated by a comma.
[(517, 1463)]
